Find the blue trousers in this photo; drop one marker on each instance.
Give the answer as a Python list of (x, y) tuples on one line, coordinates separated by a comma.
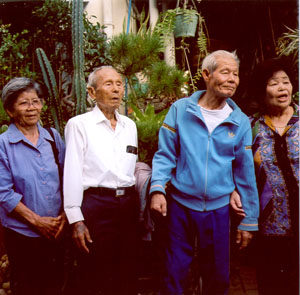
[(210, 232)]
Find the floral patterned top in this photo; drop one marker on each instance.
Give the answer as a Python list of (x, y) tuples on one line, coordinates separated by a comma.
[(277, 173)]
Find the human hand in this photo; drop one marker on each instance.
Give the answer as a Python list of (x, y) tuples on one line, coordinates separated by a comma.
[(236, 204), (47, 226), (243, 238), (63, 222), (159, 203), (81, 235)]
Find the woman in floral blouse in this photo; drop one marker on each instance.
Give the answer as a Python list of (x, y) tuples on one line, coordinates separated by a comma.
[(275, 149)]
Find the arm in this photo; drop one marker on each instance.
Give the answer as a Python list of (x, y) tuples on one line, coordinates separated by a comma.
[(73, 185), (47, 226), (12, 201), (164, 162), (245, 181)]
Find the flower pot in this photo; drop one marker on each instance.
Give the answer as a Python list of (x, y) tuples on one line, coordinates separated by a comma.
[(185, 25)]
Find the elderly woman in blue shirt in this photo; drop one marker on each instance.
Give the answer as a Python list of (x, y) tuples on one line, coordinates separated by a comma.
[(30, 192)]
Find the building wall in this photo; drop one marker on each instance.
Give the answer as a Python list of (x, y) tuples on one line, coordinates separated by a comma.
[(111, 13)]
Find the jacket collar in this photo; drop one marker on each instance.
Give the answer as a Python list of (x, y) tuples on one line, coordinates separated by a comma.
[(235, 117)]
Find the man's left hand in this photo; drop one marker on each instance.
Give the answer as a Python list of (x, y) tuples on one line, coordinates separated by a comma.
[(243, 238)]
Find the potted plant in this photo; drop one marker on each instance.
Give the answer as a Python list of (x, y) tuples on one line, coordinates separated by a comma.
[(184, 22)]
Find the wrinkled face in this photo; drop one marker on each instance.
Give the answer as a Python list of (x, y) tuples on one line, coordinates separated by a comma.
[(109, 89), (279, 90), (27, 109), (223, 82)]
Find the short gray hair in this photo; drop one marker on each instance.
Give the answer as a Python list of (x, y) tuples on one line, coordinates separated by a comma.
[(92, 75), (15, 87), (210, 61)]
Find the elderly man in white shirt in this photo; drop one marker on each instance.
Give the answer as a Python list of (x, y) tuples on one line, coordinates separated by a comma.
[(99, 196)]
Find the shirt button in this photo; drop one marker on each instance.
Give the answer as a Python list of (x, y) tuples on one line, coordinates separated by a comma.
[(42, 169), (47, 197), (39, 155), (44, 182)]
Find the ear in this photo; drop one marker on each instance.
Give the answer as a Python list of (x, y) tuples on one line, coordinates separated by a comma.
[(205, 74), (10, 114), (92, 92)]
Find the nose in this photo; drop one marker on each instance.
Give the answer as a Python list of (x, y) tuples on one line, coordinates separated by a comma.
[(282, 86), (232, 78), (115, 88)]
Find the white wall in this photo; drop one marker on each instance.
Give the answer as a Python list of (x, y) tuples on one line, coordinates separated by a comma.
[(112, 13)]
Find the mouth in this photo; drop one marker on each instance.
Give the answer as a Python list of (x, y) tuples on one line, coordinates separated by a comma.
[(229, 88), (116, 99), (283, 97)]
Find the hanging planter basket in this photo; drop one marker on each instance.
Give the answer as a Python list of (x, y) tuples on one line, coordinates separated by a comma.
[(186, 24)]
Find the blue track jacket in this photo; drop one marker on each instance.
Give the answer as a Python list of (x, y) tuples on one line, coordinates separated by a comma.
[(206, 167)]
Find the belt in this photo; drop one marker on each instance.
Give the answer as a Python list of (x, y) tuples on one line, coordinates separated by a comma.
[(115, 192)]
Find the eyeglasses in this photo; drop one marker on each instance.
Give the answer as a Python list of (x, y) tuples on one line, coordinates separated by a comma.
[(25, 104)]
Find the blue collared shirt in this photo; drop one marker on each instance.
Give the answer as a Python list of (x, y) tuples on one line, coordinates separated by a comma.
[(29, 174)]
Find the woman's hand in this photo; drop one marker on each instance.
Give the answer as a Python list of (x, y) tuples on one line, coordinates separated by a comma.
[(48, 226), (236, 204), (63, 223)]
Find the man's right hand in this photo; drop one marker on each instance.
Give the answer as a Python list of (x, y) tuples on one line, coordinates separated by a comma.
[(159, 203), (81, 235)]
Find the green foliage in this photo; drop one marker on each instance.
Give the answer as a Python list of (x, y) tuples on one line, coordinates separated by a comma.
[(148, 124), (138, 58), (133, 53), (15, 58), (3, 128), (79, 85), (288, 44), (296, 98), (95, 45), (4, 119), (53, 99), (165, 28), (165, 79), (50, 27)]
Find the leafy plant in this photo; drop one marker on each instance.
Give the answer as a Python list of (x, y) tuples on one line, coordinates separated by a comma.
[(138, 58), (53, 100), (166, 26), (148, 124), (15, 58), (79, 85), (288, 44)]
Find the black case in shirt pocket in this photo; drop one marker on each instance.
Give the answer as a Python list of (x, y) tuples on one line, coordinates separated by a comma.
[(131, 149)]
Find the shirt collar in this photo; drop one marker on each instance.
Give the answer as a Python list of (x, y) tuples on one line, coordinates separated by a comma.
[(100, 117), (295, 116), (15, 135)]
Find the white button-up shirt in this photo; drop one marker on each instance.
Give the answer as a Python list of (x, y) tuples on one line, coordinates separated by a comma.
[(97, 155)]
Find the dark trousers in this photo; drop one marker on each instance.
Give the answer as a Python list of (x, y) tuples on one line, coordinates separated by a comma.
[(37, 265), (111, 266), (211, 230), (277, 265)]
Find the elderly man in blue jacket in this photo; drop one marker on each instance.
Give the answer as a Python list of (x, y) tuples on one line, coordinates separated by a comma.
[(205, 153)]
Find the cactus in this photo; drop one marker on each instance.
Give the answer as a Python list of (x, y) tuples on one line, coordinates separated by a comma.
[(50, 82), (79, 85)]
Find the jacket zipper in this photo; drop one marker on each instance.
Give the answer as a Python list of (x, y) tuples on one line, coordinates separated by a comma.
[(206, 169)]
